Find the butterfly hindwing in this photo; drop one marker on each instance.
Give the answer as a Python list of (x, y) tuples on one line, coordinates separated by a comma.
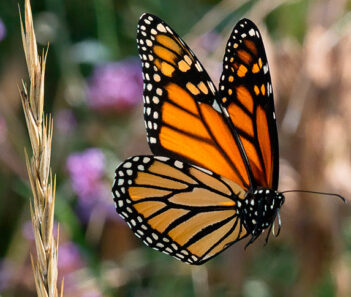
[(178, 97), (246, 93), (179, 209)]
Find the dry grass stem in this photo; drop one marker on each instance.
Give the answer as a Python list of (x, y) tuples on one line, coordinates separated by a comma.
[(42, 182)]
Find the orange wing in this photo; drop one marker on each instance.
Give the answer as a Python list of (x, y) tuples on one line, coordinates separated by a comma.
[(247, 96), (182, 210), (178, 99)]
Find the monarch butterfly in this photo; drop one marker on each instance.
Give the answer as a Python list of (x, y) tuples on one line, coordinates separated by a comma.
[(213, 178)]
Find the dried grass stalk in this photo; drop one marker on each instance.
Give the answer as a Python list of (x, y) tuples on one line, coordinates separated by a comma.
[(42, 183)]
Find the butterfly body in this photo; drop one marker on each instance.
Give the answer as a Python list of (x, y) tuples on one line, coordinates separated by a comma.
[(213, 178), (260, 209)]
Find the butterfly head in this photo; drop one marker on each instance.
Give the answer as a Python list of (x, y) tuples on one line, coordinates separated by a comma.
[(260, 210)]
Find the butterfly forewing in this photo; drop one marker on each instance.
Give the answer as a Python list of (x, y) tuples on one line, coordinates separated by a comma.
[(178, 98), (179, 209), (246, 93)]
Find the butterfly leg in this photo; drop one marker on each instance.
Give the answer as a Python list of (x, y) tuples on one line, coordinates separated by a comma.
[(253, 238), (268, 234)]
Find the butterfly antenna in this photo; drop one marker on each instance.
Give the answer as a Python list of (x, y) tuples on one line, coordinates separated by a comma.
[(313, 192)]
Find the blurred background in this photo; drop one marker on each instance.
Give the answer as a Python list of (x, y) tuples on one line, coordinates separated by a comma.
[(93, 90)]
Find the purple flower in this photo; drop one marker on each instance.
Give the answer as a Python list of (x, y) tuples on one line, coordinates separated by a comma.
[(7, 274), (209, 41), (86, 170), (69, 258), (65, 121), (115, 86), (2, 30), (70, 261)]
